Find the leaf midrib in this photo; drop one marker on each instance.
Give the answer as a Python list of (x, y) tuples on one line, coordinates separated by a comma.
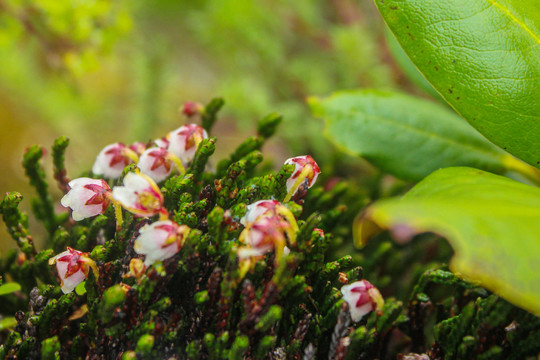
[(515, 19), (428, 134)]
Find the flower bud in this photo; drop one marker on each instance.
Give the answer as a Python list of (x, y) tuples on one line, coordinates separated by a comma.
[(87, 197), (160, 240), (257, 209), (139, 195), (192, 108), (136, 268), (112, 160), (264, 235), (185, 140), (73, 267), (305, 173), (362, 298), (156, 163)]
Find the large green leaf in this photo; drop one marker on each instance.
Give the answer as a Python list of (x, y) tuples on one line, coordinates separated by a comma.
[(492, 222), (405, 136), (483, 57)]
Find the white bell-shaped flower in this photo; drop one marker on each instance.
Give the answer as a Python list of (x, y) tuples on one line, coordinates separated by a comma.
[(160, 240), (72, 267), (362, 298), (257, 209), (156, 163), (305, 174), (183, 142), (112, 160), (87, 197), (139, 195)]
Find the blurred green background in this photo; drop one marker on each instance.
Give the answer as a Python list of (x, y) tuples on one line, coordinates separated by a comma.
[(101, 71)]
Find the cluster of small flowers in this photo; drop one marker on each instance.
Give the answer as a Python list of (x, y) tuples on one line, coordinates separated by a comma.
[(269, 225), (142, 196)]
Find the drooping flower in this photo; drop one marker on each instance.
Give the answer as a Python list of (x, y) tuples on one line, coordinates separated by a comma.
[(138, 147), (257, 209), (112, 160), (268, 226), (136, 268), (305, 174), (183, 142), (162, 142), (362, 298), (156, 163), (87, 197), (140, 195), (73, 267), (266, 234), (160, 240)]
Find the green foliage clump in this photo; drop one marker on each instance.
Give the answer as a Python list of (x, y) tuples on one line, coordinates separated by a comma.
[(199, 304)]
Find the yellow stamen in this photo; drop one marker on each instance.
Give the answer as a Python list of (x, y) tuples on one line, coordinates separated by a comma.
[(244, 266), (183, 234), (376, 297), (288, 215), (117, 214), (197, 138), (163, 214), (306, 171), (279, 246), (177, 162), (148, 200), (88, 261), (132, 155)]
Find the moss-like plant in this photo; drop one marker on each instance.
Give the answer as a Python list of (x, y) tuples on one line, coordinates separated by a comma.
[(199, 268)]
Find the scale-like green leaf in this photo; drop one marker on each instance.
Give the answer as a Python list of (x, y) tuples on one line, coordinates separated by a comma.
[(483, 57), (492, 222), (405, 136)]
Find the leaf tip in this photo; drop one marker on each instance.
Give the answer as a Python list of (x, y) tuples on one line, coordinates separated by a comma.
[(363, 229)]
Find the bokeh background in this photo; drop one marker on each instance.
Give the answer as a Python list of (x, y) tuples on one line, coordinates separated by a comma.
[(102, 71)]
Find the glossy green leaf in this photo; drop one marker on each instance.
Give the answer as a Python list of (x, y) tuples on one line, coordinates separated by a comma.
[(405, 136), (8, 288), (483, 57), (492, 222)]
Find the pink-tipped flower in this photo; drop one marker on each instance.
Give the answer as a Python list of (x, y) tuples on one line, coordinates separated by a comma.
[(268, 225), (259, 208), (264, 235), (138, 147), (362, 298), (112, 160), (73, 267), (305, 174), (156, 163), (87, 197), (160, 240), (139, 195), (192, 108), (162, 142), (185, 140)]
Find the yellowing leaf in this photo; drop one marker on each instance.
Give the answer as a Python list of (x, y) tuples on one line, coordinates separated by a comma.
[(492, 222)]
